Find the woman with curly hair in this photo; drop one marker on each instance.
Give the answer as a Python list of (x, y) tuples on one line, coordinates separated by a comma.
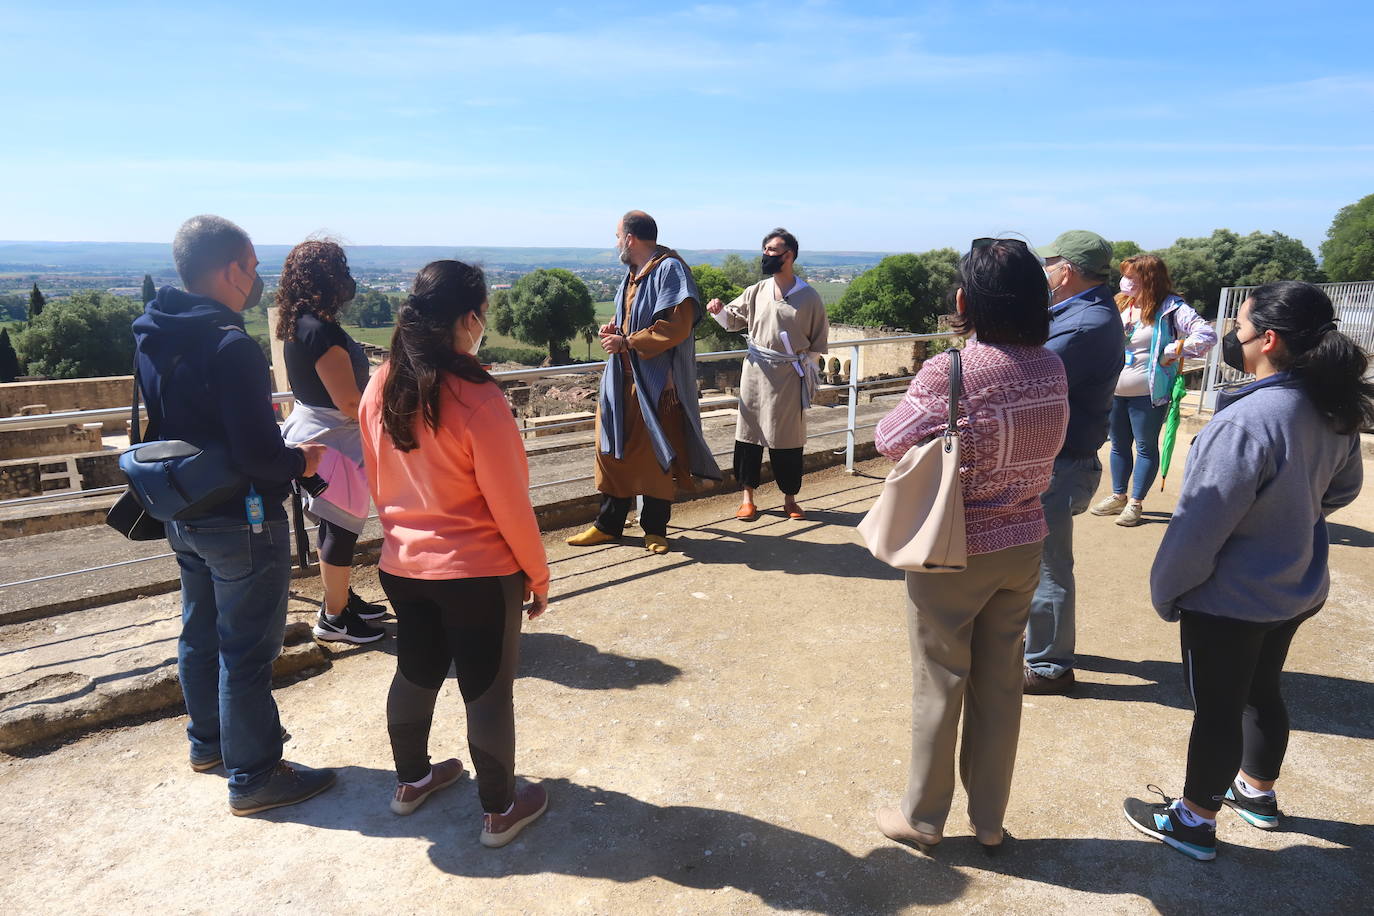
[(327, 371), (1161, 331)]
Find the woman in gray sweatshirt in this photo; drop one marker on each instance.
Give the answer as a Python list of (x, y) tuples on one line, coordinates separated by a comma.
[(1244, 560)]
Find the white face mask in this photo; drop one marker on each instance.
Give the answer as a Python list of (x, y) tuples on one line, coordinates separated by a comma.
[(477, 343), (1128, 286)]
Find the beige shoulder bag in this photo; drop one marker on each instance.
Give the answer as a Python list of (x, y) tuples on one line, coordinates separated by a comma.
[(917, 522)]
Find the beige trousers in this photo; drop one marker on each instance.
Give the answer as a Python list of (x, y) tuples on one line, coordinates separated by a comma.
[(967, 634)]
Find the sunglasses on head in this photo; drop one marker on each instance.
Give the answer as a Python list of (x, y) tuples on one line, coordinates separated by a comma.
[(986, 243)]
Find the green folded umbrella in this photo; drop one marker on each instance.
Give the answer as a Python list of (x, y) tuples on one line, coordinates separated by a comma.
[(1166, 448)]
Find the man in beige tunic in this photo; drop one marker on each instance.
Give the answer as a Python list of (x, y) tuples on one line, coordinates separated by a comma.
[(785, 322)]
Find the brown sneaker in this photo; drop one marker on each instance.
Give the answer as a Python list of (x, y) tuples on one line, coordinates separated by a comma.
[(1039, 685), (441, 776), (500, 829)]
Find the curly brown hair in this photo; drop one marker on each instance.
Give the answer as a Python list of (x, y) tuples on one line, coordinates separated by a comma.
[(313, 281)]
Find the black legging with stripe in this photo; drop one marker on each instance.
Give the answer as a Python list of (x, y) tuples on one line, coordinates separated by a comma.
[(474, 626), (1232, 670)]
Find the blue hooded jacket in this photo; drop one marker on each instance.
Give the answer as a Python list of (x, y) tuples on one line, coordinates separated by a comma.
[(209, 382)]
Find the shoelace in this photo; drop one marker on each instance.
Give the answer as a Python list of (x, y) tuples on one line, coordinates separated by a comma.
[(1151, 787)]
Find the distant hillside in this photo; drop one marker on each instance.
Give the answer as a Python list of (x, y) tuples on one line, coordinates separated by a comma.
[(156, 258)]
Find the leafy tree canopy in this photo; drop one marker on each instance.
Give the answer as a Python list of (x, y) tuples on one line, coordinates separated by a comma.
[(545, 308), (84, 336), (713, 283), (740, 272), (370, 309), (1348, 252), (1201, 267), (903, 291)]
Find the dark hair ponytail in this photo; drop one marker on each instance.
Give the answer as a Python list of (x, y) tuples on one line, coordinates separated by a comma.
[(1329, 365), (422, 347)]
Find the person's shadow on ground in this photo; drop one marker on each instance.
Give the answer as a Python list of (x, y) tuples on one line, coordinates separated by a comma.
[(1318, 703), (597, 833), (582, 666), (1300, 878)]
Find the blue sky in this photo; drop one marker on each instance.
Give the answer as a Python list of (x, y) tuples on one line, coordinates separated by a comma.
[(865, 126)]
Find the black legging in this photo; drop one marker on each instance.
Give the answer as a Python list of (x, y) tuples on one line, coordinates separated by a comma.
[(473, 625), (787, 466), (1232, 670), (336, 544)]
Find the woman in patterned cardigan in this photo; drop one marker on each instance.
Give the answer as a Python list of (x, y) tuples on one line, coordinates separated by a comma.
[(966, 627)]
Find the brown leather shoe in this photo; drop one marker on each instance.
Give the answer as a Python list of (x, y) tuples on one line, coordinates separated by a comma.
[(1038, 685), (747, 512)]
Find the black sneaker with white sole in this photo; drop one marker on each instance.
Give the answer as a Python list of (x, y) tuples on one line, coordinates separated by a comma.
[(1262, 812), (1163, 823), (346, 627), (367, 610)]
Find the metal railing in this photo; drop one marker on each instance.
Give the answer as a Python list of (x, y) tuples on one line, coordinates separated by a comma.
[(852, 386), (1354, 303)]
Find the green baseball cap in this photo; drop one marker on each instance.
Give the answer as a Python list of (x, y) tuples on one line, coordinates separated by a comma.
[(1088, 250)]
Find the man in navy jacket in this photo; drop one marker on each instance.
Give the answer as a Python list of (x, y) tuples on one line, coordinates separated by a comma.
[(206, 381), (1086, 332)]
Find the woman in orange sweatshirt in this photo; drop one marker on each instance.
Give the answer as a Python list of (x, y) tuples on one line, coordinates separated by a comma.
[(462, 552)]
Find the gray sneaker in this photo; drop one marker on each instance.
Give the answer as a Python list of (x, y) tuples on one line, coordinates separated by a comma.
[(289, 783), (1130, 516), (1109, 506)]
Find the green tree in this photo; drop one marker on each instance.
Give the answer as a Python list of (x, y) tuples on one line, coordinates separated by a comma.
[(589, 333), (36, 303), (1125, 249), (713, 283), (370, 309), (1195, 277), (86, 335), (149, 290), (740, 272), (899, 292), (1348, 252), (9, 360), (546, 308)]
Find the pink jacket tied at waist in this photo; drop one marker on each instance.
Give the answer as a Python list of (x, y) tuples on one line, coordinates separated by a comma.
[(1012, 419)]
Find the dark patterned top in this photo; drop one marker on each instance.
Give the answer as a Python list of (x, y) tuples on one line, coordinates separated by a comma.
[(1012, 418)]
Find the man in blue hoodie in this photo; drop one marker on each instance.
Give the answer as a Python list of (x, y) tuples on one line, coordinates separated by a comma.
[(1086, 332), (206, 381)]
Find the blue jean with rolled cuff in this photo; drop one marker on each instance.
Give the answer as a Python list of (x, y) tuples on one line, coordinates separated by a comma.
[(233, 619), (1050, 629), (1135, 420)]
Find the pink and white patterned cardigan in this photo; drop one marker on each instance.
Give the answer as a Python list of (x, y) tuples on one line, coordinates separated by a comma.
[(1012, 418)]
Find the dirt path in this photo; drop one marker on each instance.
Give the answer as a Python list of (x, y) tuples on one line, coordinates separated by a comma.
[(715, 728)]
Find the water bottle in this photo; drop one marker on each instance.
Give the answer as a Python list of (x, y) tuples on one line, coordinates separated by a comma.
[(253, 503)]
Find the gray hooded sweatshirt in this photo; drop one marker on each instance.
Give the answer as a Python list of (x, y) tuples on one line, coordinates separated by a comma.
[(1248, 539)]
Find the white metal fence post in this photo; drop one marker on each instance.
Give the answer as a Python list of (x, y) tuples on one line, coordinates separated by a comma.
[(853, 410)]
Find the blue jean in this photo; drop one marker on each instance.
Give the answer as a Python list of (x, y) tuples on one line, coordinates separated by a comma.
[(233, 619), (1139, 420), (1050, 628)]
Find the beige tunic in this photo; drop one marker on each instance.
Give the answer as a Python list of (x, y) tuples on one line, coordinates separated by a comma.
[(770, 396)]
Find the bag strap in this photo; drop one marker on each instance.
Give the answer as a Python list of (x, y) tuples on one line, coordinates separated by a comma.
[(135, 434), (956, 388)]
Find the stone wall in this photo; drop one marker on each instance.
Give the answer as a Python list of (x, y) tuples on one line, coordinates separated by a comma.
[(877, 359), (61, 395), (50, 440)]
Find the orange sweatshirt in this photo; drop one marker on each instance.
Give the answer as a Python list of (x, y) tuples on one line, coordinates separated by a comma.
[(458, 505)]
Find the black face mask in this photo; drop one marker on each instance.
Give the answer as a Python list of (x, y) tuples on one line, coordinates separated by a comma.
[(771, 264), (348, 291), (1233, 350)]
